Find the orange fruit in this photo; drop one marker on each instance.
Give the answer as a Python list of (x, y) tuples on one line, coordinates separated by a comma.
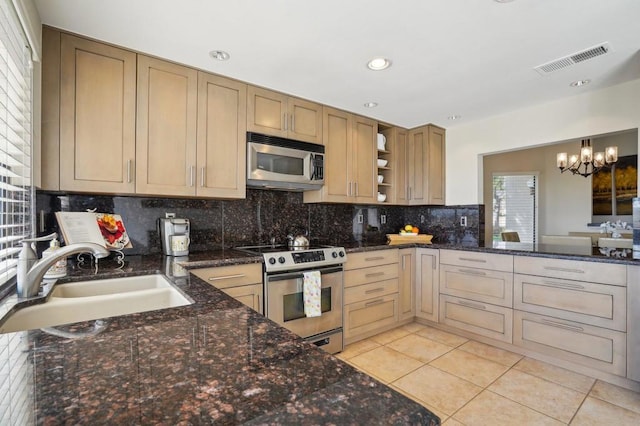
[(415, 230)]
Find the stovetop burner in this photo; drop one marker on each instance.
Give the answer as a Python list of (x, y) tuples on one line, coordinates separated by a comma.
[(282, 258)]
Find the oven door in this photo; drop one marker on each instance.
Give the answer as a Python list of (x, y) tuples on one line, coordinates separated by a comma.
[(284, 305)]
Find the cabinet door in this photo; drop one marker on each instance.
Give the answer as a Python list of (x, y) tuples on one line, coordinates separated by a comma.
[(365, 157), (266, 112), (222, 145), (436, 166), (166, 128), (417, 150), (97, 116), (305, 121), (401, 158), (427, 284), (250, 295), (407, 278), (338, 154), (366, 318), (483, 319)]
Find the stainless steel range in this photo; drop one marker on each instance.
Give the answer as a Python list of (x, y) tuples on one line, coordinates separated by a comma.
[(284, 270)]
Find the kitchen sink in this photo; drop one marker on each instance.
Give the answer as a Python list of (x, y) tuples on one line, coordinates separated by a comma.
[(90, 300)]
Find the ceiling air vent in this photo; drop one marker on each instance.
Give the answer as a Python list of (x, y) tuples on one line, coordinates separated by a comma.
[(573, 59)]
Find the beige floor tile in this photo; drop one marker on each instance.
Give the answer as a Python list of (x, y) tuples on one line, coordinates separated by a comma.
[(413, 327), (491, 409), (443, 337), (477, 370), (389, 336), (554, 374), (443, 391), (419, 347), (357, 348), (491, 353), (596, 412), (385, 363), (616, 395), (546, 397), (435, 411)]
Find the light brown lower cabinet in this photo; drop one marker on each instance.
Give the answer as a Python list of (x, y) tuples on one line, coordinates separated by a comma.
[(366, 317), (480, 318), (407, 284), (242, 282), (250, 295), (427, 283)]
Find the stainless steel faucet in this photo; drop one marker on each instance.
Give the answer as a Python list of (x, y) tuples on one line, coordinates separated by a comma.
[(30, 285)]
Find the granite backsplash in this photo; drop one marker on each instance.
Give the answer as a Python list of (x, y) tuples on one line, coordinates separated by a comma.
[(263, 215)]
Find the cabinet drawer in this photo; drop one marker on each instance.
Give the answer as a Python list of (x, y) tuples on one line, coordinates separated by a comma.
[(368, 316), (371, 258), (590, 303), (483, 285), (231, 276), (368, 291), (250, 295), (496, 262), (370, 275), (583, 344), (479, 318), (595, 272)]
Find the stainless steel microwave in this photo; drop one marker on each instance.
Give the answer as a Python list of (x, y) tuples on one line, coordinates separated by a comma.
[(280, 163)]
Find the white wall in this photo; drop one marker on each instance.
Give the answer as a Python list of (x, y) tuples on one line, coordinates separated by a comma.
[(602, 111)]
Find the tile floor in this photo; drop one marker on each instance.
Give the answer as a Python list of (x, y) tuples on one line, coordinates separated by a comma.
[(469, 383)]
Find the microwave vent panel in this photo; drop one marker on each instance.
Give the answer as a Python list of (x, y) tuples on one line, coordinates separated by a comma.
[(574, 58)]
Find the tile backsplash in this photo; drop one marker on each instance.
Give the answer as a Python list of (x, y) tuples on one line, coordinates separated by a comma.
[(264, 215)]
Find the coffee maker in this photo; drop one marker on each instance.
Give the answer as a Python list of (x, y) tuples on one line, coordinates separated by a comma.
[(174, 234)]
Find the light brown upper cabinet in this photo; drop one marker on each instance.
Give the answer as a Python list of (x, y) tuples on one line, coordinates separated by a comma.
[(276, 114), (97, 116), (423, 173), (222, 146), (166, 128), (350, 158)]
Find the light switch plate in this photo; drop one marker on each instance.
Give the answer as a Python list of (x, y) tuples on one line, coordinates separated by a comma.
[(463, 221)]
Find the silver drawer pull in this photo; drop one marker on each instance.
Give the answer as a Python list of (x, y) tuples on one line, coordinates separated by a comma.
[(374, 274), (374, 302), (561, 325), (472, 305), (374, 290), (554, 268), (226, 277), (565, 285), (369, 259), (469, 259), (472, 272)]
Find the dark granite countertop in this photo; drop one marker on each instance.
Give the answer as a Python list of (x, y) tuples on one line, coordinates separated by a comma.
[(215, 361)]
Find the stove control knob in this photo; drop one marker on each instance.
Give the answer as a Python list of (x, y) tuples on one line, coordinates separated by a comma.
[(334, 254), (341, 253), (281, 259), (272, 261)]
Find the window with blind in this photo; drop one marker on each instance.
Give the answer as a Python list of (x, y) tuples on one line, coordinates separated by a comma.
[(15, 142), (515, 206)]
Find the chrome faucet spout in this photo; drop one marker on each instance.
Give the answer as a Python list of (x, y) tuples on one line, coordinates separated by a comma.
[(31, 284)]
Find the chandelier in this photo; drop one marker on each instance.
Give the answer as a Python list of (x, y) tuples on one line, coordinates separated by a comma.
[(587, 163)]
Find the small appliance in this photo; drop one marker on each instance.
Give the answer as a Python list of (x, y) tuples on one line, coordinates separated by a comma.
[(174, 234)]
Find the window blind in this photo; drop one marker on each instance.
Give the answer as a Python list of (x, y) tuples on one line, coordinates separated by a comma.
[(514, 206), (16, 191)]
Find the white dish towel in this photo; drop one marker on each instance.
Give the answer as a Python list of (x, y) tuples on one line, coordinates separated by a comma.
[(312, 293)]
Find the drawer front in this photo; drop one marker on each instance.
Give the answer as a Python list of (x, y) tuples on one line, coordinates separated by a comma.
[(590, 303), (595, 272), (368, 316), (370, 275), (370, 291), (371, 258), (483, 285), (250, 295), (479, 318), (230, 276), (496, 262), (583, 344)]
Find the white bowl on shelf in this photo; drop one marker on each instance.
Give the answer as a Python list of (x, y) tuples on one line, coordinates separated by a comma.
[(382, 162), (380, 178), (381, 197), (382, 141)]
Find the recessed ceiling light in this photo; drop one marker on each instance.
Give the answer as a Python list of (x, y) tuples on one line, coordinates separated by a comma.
[(371, 104), (219, 55), (579, 83), (378, 64), (454, 117)]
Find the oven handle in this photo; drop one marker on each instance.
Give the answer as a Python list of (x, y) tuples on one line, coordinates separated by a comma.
[(295, 275)]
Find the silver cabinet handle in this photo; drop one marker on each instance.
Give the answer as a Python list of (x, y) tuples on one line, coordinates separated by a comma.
[(561, 325), (433, 262), (226, 277), (409, 197), (554, 268), (128, 171), (192, 171), (370, 259), (469, 259), (356, 184), (472, 272), (285, 120), (202, 177), (374, 274), (564, 285), (472, 305), (293, 123), (374, 290), (374, 302)]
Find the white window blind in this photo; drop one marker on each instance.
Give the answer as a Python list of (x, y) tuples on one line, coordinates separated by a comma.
[(515, 206), (16, 191)]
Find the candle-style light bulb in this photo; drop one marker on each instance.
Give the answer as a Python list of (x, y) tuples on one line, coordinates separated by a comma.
[(611, 154), (561, 160), (598, 159), (573, 162), (586, 152)]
